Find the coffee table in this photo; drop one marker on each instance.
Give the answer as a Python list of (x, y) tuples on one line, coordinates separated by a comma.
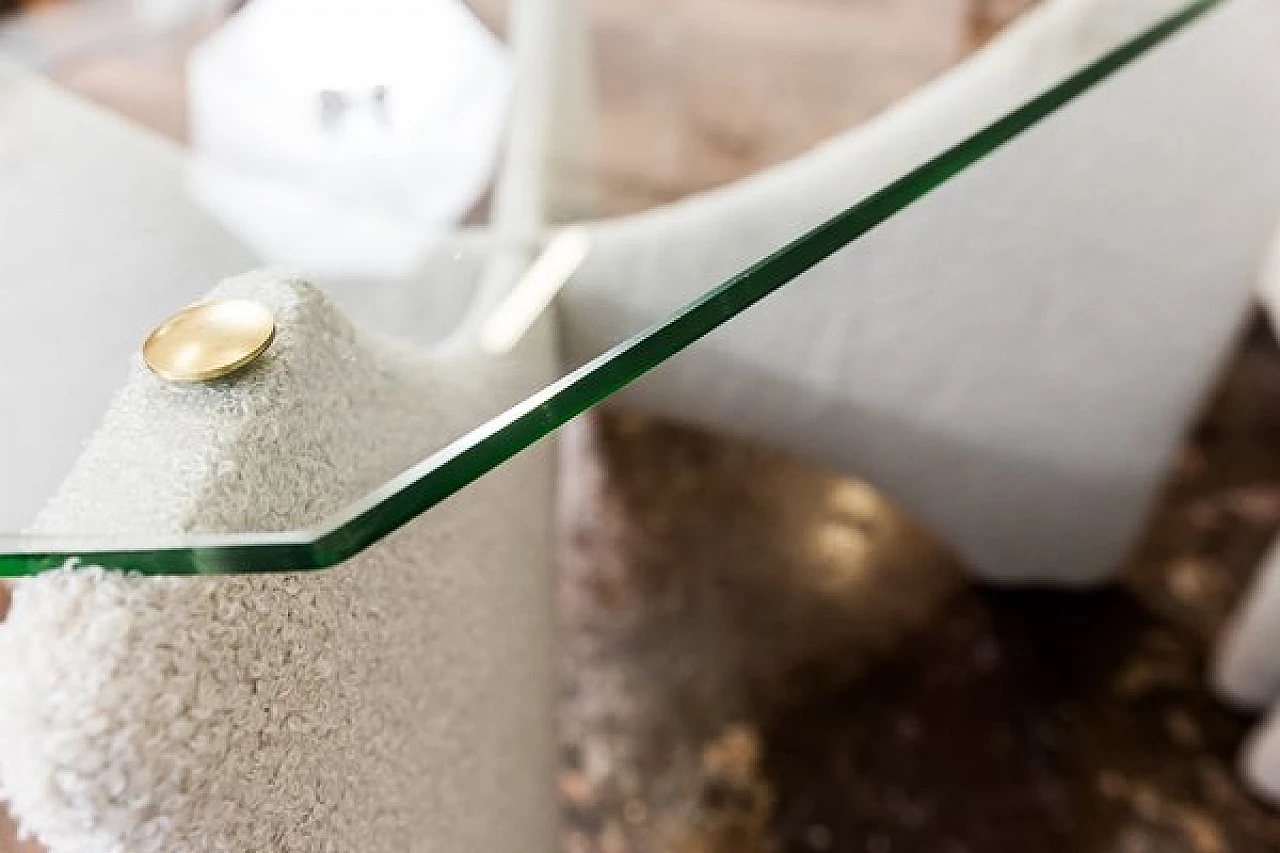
[(989, 128)]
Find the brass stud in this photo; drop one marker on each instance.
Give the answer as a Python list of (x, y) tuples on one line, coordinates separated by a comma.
[(209, 340)]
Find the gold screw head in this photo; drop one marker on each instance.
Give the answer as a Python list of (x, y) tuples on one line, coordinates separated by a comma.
[(209, 340)]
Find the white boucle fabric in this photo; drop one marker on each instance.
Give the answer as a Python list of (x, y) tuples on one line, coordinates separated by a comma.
[(401, 702), (1016, 356)]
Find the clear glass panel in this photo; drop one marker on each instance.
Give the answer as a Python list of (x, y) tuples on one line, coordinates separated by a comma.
[(995, 173)]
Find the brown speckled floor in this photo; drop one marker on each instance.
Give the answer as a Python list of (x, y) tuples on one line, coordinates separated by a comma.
[(761, 657)]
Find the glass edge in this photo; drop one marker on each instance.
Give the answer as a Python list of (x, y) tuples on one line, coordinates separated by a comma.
[(481, 450)]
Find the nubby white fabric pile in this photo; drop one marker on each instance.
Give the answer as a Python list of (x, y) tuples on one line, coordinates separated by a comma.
[(400, 702)]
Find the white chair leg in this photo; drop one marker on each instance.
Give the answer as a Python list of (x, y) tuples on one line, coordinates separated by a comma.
[(1246, 673), (550, 130), (1260, 760), (1247, 665), (572, 190)]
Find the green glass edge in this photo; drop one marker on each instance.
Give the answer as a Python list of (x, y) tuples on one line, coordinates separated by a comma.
[(496, 441)]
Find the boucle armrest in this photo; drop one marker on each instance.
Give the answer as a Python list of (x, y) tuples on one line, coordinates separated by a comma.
[(400, 702)]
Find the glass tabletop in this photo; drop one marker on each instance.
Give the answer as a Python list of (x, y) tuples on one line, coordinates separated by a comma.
[(518, 320)]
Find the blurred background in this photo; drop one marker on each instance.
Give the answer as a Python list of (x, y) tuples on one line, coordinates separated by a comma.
[(759, 656)]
